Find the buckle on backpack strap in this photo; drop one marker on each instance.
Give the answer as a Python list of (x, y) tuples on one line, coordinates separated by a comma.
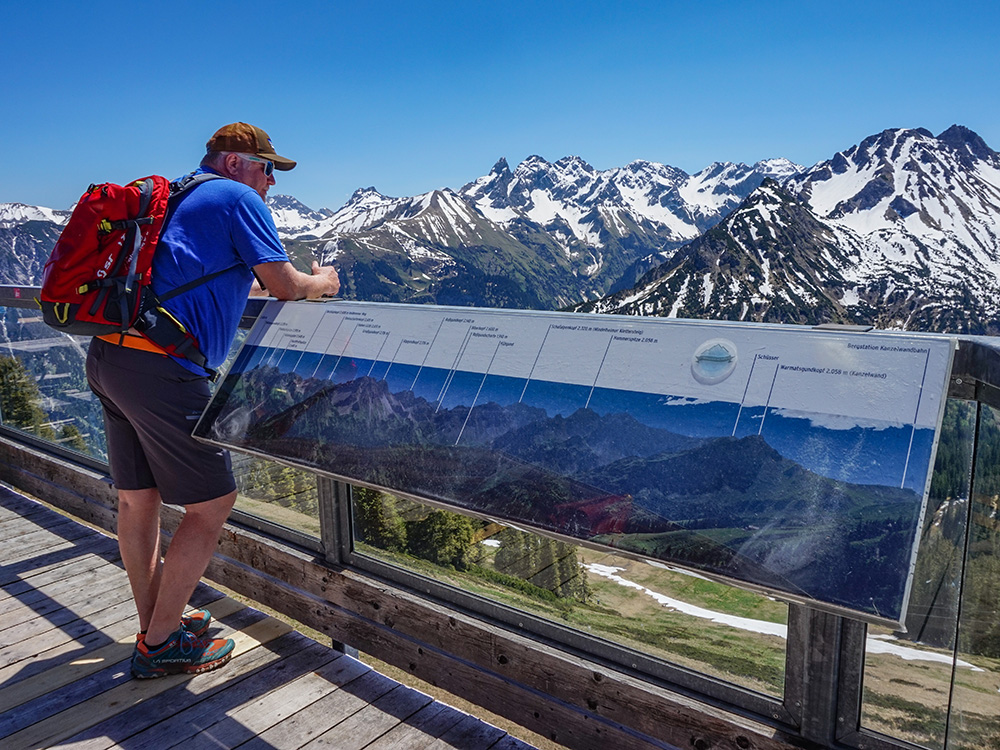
[(107, 227)]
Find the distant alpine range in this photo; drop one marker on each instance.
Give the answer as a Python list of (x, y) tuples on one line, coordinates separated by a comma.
[(899, 231)]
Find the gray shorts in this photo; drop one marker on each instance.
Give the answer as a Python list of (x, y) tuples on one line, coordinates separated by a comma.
[(151, 405)]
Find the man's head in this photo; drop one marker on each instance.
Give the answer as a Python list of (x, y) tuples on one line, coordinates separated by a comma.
[(244, 153)]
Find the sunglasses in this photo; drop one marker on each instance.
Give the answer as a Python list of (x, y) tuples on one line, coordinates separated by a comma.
[(268, 165)]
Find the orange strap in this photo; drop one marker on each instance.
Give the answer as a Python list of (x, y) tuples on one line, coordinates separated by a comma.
[(132, 341)]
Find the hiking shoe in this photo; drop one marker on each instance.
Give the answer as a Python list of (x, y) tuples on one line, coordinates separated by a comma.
[(196, 621), (183, 652)]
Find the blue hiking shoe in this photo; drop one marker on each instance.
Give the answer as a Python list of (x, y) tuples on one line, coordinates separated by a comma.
[(183, 652), (196, 621)]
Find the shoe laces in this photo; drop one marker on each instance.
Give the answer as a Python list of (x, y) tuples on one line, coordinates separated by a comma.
[(188, 643)]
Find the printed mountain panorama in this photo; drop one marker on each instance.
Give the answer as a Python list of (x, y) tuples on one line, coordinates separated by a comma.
[(899, 231), (626, 470)]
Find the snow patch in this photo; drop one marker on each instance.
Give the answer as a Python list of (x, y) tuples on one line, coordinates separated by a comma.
[(875, 644)]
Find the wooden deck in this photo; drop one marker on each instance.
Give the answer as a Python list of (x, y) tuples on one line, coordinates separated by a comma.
[(67, 630)]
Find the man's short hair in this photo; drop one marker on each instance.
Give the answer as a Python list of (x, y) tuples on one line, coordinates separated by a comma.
[(212, 158)]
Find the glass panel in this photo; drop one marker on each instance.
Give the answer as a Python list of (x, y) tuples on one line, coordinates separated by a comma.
[(907, 678), (709, 627), (975, 708), (280, 494), (43, 384)]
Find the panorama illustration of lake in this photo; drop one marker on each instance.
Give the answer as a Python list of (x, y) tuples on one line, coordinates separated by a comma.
[(821, 509)]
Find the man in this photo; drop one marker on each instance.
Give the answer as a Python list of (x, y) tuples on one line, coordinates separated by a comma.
[(151, 400)]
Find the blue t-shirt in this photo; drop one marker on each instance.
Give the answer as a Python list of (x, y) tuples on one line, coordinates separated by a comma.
[(216, 225)]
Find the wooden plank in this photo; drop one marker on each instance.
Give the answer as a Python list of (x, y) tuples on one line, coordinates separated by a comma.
[(318, 717), (509, 674), (76, 692), (43, 520), (512, 675), (19, 509), (46, 519), (253, 715), (31, 516), (39, 712), (122, 692), (83, 492), (18, 556), (437, 710), (79, 606), (469, 734), (31, 544), (39, 578), (9, 518), (368, 613), (371, 722), (17, 656), (63, 625), (14, 504), (420, 730), (511, 743), (550, 690), (477, 682), (120, 616), (68, 657), (45, 691), (64, 593), (68, 589), (43, 551), (176, 715)]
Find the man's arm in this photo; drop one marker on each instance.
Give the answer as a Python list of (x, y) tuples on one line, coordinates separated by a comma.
[(284, 281)]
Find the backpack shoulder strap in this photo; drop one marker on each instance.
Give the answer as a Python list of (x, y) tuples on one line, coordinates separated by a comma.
[(178, 188), (155, 322), (188, 181)]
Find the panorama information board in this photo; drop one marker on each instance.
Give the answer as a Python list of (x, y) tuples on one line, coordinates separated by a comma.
[(784, 458)]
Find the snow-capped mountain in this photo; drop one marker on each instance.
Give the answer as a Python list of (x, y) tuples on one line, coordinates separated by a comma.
[(580, 231), (899, 231), (921, 204), (770, 259), (580, 204), (544, 235), (294, 218), (27, 235), (14, 214), (437, 247)]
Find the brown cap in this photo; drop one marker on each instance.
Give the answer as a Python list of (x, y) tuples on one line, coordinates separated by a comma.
[(247, 139)]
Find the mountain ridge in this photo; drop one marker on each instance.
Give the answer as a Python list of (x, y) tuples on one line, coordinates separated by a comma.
[(901, 230)]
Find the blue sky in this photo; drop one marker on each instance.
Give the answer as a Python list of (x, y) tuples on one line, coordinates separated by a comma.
[(409, 97)]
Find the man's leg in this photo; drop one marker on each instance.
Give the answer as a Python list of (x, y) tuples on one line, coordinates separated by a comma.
[(139, 544), (187, 558)]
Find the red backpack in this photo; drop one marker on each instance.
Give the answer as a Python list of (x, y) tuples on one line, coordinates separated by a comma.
[(97, 279)]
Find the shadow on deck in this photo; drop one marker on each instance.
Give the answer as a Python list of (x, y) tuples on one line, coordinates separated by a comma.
[(67, 630)]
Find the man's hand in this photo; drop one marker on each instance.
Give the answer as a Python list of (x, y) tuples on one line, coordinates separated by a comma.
[(329, 274), (282, 280)]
